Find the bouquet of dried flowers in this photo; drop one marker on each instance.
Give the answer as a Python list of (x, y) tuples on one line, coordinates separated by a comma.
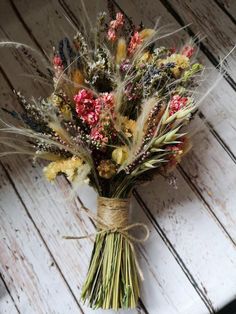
[(114, 119)]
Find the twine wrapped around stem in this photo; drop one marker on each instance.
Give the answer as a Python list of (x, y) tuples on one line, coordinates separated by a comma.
[(112, 279), (112, 213)]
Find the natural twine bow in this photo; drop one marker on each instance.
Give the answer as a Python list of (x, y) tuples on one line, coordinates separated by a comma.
[(112, 216)]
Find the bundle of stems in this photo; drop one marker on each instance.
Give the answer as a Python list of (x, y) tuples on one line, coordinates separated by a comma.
[(117, 116), (112, 281)]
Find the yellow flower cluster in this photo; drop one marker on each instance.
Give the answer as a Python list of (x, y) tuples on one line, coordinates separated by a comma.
[(146, 57), (128, 126), (68, 166), (57, 101), (181, 63)]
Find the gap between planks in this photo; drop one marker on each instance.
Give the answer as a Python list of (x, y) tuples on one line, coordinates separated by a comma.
[(221, 5), (173, 251), (9, 293)]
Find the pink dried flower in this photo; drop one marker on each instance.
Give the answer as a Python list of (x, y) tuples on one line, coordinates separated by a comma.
[(103, 130), (114, 26), (58, 67), (188, 51), (175, 148), (111, 34), (119, 20), (57, 61), (87, 107), (177, 102), (135, 41), (106, 100), (98, 136)]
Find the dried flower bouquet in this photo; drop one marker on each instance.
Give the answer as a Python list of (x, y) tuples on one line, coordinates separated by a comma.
[(114, 120)]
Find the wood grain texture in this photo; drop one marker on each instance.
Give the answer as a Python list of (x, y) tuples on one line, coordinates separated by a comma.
[(196, 238), (229, 8), (177, 280), (29, 272), (7, 305)]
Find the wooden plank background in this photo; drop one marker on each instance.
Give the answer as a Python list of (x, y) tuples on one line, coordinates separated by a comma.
[(189, 261)]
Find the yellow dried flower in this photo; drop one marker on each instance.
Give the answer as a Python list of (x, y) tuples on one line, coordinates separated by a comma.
[(128, 126), (66, 112), (121, 50), (56, 100), (146, 57), (68, 166), (77, 77), (71, 89), (119, 155), (181, 63), (146, 33), (106, 169)]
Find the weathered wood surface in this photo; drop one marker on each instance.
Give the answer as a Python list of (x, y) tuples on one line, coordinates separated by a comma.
[(229, 8), (7, 305), (189, 260), (27, 266)]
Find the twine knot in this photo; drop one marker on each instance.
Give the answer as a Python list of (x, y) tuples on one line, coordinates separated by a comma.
[(113, 216)]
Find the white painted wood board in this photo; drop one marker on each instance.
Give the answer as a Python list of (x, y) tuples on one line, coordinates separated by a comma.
[(205, 217)]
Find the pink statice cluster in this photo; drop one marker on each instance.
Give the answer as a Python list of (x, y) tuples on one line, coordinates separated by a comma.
[(87, 107), (176, 103), (135, 41), (95, 112), (98, 135), (114, 26), (106, 101), (188, 51)]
